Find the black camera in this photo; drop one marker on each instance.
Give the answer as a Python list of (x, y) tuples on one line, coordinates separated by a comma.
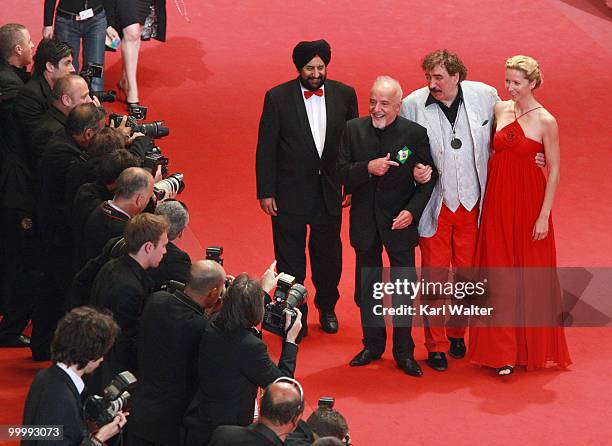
[(326, 401), (214, 253), (90, 71), (169, 188), (101, 410), (155, 129), (287, 296), (154, 159)]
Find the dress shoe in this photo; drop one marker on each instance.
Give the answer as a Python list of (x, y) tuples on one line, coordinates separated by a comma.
[(19, 342), (328, 321), (410, 367), (437, 361), (364, 357), (457, 348)]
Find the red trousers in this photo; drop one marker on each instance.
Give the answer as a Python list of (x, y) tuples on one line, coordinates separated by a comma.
[(454, 243)]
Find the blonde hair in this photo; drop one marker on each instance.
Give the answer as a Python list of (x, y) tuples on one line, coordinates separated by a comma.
[(529, 66)]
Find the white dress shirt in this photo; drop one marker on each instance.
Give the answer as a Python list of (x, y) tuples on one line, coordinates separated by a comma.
[(317, 117), (76, 379)]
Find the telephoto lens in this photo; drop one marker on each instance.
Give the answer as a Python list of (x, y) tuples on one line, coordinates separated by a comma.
[(170, 187)]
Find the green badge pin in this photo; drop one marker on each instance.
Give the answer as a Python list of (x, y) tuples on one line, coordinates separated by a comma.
[(402, 155)]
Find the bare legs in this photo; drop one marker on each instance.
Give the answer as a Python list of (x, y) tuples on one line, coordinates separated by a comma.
[(130, 48)]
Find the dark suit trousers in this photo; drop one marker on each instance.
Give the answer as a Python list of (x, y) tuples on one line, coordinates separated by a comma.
[(324, 246), (369, 270)]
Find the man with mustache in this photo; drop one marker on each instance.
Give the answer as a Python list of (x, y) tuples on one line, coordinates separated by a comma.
[(458, 115), (297, 183)]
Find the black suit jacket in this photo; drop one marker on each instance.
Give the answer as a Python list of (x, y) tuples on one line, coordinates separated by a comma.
[(87, 198), (121, 286), (254, 435), (171, 327), (53, 399), (378, 200), (174, 265), (12, 80), (30, 106), (232, 366), (288, 163), (59, 163), (51, 125), (16, 178), (103, 223)]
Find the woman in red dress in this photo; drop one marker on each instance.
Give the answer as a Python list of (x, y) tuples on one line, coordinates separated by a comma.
[(516, 231)]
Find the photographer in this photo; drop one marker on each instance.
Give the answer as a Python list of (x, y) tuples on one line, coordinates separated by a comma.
[(323, 422), (52, 61), (81, 340), (168, 364), (234, 361), (175, 264), (68, 92), (122, 286), (132, 195), (282, 404), (90, 195)]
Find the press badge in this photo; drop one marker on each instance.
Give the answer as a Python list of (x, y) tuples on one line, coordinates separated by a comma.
[(86, 14)]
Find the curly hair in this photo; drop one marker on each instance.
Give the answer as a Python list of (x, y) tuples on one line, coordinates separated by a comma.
[(85, 334), (444, 58)]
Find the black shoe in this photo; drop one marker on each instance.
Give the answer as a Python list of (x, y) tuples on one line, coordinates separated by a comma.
[(328, 321), (410, 367), (457, 348), (505, 370), (437, 361), (364, 357), (19, 342)]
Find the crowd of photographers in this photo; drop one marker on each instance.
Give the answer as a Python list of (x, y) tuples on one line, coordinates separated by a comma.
[(89, 221)]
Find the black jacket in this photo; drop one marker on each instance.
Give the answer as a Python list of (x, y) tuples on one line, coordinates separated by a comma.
[(30, 106), (174, 265), (53, 399), (254, 435), (58, 165), (88, 197), (232, 366), (288, 163), (121, 286), (301, 436), (378, 200), (51, 125), (12, 80), (17, 185), (104, 223), (171, 327)]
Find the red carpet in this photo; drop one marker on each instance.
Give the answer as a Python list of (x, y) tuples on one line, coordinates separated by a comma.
[(208, 83)]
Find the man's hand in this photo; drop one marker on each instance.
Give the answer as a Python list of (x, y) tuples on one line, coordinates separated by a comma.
[(403, 219), (346, 200), (111, 429), (294, 331), (421, 173), (123, 128), (268, 205), (133, 137), (380, 166), (96, 101), (540, 159), (47, 32), (269, 279)]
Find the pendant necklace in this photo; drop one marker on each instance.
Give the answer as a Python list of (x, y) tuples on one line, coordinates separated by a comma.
[(456, 142)]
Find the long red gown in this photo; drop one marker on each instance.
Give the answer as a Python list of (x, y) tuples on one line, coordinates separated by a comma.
[(512, 204)]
